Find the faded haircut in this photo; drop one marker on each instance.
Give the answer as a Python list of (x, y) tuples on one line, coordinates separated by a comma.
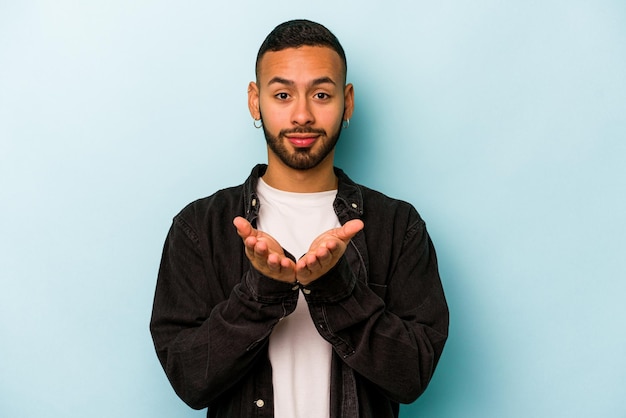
[(298, 33)]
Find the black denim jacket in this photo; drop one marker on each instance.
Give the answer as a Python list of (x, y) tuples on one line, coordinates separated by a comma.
[(382, 308)]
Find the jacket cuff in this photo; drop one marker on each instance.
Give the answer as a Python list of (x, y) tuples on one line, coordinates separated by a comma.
[(267, 290), (332, 287)]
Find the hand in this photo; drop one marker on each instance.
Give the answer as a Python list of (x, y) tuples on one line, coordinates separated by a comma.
[(325, 252), (265, 253)]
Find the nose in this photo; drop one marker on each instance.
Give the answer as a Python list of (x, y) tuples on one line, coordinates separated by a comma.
[(302, 114)]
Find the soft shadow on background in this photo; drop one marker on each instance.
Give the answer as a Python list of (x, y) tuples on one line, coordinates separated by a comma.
[(502, 122)]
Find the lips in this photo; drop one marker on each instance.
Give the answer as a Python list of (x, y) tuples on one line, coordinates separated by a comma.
[(302, 141)]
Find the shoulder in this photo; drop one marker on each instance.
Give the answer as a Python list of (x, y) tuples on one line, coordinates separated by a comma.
[(218, 208), (220, 200), (378, 205)]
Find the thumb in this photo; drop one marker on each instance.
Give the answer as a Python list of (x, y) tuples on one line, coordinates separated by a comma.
[(244, 229), (350, 229)]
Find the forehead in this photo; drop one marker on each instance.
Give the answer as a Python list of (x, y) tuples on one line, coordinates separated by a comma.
[(301, 63)]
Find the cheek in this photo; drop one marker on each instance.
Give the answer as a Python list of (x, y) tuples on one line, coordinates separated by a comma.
[(272, 115), (270, 102), (328, 112), (331, 117)]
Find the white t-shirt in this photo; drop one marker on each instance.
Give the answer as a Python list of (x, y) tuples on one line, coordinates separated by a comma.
[(300, 357)]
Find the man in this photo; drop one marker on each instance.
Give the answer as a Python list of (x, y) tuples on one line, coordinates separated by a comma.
[(324, 299)]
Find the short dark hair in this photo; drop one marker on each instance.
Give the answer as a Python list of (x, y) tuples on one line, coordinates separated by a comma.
[(297, 33)]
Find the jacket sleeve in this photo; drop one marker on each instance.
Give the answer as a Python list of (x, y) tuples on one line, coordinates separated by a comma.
[(210, 323), (391, 330)]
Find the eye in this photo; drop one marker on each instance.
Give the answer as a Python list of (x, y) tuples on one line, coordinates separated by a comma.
[(322, 96), (282, 96)]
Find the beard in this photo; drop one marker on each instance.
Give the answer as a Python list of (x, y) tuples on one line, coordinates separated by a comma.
[(302, 158)]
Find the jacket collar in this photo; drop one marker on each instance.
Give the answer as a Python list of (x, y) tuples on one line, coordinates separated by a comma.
[(349, 198)]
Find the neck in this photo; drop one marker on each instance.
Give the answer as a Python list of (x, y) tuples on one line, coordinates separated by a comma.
[(320, 178)]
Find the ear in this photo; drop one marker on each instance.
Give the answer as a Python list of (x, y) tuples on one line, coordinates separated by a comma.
[(348, 97), (253, 101)]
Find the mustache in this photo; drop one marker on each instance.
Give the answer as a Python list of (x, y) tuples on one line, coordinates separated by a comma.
[(302, 130)]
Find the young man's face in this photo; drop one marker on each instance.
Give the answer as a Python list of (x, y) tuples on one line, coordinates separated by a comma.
[(302, 99)]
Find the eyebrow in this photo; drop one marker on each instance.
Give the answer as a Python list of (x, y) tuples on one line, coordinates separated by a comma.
[(317, 81)]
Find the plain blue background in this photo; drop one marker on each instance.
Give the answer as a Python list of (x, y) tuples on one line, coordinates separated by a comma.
[(503, 122)]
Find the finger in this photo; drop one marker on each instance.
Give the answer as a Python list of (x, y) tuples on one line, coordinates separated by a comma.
[(325, 254), (330, 246), (302, 264), (261, 251), (273, 262), (315, 261), (302, 271), (255, 250), (286, 263), (250, 242), (287, 268)]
